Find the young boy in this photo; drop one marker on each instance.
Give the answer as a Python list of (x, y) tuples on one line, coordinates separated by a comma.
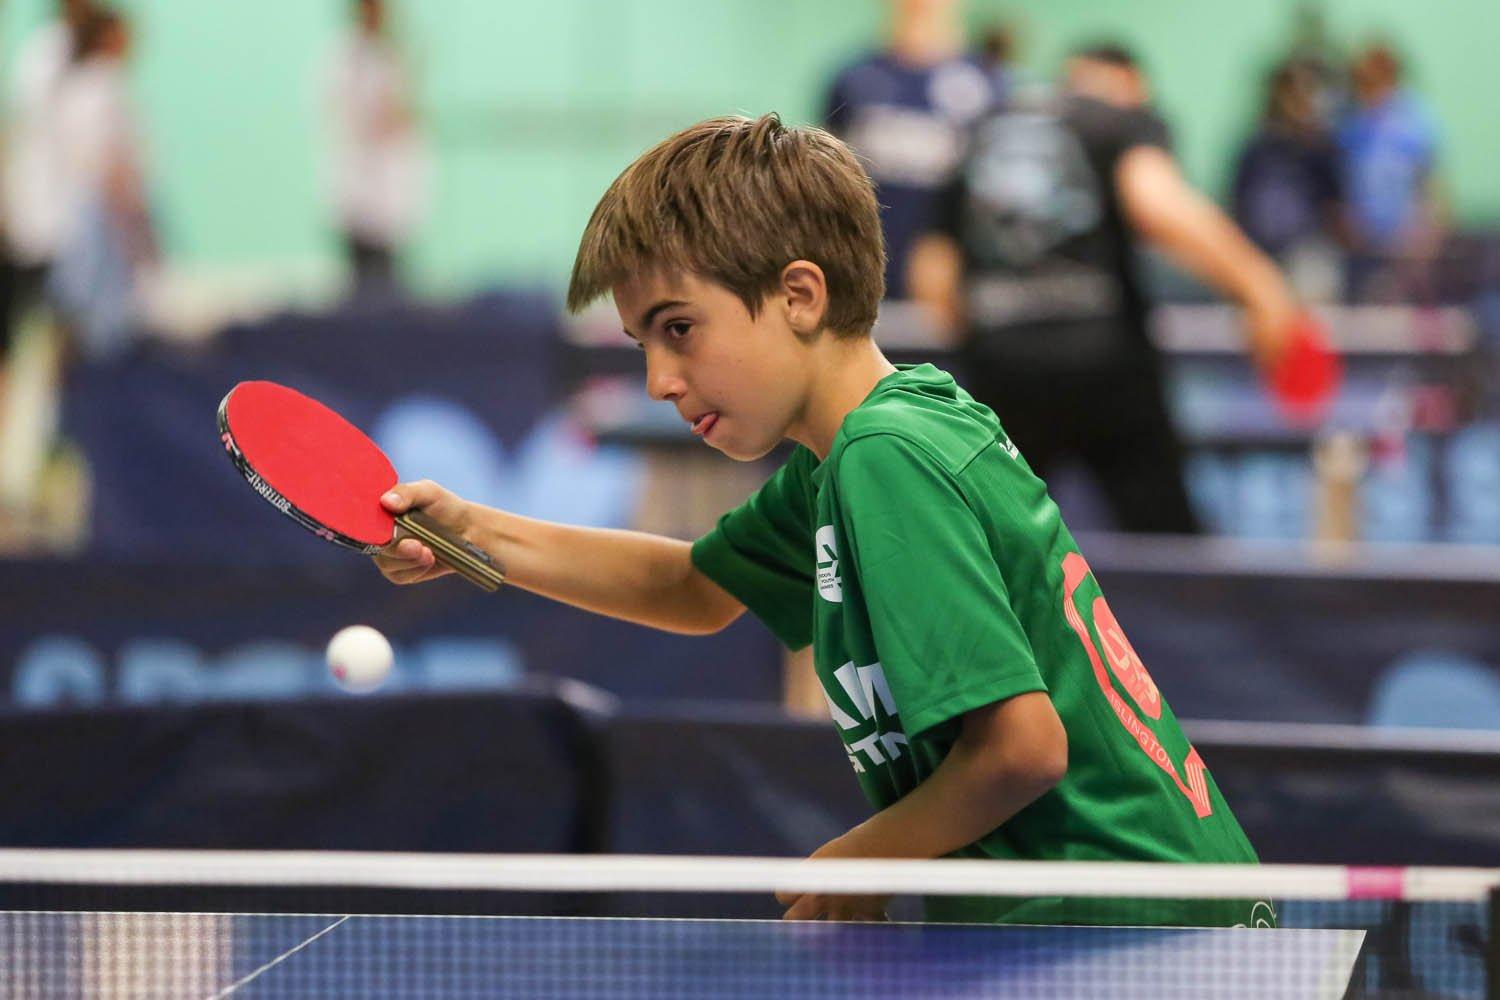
[(989, 703)]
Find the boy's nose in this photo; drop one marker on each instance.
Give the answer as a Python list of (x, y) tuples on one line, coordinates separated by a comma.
[(663, 382)]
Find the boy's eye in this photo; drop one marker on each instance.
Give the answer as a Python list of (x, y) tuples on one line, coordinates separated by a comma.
[(679, 329)]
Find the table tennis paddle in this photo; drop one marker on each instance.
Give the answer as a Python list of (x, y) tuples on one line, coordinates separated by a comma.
[(1306, 377), (328, 476)]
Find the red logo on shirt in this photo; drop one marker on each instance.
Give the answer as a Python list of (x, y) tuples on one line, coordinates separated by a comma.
[(1127, 666)]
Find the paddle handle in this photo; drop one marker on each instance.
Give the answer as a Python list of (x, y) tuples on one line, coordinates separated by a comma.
[(464, 557)]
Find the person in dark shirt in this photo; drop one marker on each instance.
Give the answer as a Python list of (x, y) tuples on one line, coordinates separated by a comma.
[(906, 111), (1286, 184), (1032, 263)]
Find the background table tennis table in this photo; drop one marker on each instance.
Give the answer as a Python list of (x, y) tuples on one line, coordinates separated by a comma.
[(109, 955)]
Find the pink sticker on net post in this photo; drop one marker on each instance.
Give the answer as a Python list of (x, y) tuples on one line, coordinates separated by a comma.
[(1371, 882)]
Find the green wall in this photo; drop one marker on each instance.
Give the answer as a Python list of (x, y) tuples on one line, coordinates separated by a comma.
[(533, 108)]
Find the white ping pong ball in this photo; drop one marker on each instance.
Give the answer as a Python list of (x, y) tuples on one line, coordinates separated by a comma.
[(360, 658)]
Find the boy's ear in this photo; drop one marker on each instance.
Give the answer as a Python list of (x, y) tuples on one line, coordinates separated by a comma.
[(804, 289)]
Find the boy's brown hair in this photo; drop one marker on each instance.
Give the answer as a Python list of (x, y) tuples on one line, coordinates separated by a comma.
[(734, 200)]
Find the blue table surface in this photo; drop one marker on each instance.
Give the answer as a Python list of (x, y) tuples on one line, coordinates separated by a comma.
[(244, 955)]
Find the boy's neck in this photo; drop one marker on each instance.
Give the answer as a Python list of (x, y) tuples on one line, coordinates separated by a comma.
[(848, 369)]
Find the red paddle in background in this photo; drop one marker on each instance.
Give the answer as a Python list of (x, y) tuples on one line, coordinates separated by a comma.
[(324, 473), (1306, 377)]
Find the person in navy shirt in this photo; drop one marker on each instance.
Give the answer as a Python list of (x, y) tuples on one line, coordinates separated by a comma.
[(907, 110), (1286, 183)]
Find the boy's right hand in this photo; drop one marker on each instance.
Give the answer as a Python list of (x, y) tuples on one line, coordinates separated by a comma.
[(407, 560)]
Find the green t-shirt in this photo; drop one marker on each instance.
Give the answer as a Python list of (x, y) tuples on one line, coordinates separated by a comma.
[(933, 575)]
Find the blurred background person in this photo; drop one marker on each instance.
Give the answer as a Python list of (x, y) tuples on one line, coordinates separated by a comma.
[(31, 193), (1313, 52), (377, 153), (106, 245), (1034, 263), (998, 46), (1388, 146), (32, 190), (906, 110), (1286, 194), (41, 205)]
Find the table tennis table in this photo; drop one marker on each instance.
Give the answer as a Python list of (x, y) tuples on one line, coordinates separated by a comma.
[(105, 955)]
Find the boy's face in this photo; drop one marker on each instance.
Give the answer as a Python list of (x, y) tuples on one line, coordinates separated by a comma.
[(742, 382)]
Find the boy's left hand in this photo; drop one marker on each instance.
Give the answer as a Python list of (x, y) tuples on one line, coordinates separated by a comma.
[(825, 906)]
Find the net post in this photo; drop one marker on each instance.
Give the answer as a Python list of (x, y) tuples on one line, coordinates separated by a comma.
[(1492, 947)]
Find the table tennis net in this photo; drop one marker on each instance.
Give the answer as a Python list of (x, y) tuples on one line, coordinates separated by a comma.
[(276, 924)]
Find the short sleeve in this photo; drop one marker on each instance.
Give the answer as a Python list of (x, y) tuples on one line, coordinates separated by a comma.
[(1142, 127), (946, 634), (762, 551)]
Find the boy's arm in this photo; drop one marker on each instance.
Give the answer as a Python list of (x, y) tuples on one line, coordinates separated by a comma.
[(1007, 754), (638, 577)]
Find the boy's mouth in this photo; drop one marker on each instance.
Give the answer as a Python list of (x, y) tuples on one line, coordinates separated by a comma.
[(704, 424)]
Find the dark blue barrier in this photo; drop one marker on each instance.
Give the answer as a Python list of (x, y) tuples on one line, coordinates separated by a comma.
[(705, 779), (512, 773), (1398, 636), (691, 779), (1358, 796), (439, 773), (688, 781)]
